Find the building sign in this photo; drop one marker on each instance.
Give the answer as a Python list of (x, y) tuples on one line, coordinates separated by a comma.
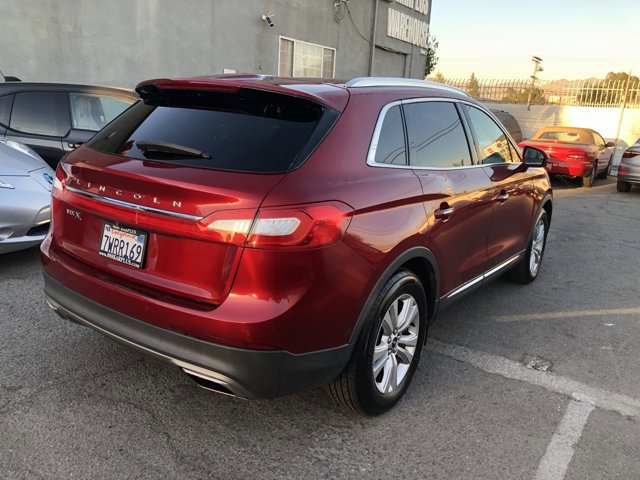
[(406, 27)]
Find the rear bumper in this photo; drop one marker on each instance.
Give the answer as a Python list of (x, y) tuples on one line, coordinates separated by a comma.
[(629, 174), (572, 169), (245, 373)]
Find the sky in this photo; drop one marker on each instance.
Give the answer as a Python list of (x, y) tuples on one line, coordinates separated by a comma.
[(497, 38)]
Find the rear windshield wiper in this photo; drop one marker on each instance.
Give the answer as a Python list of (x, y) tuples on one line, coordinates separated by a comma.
[(170, 148)]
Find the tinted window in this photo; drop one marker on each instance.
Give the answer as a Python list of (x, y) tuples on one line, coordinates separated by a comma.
[(391, 143), (437, 136), (246, 131), (493, 146), (92, 112), (5, 108), (41, 113)]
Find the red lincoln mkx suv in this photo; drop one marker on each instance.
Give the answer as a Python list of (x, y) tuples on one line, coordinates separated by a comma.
[(267, 235)]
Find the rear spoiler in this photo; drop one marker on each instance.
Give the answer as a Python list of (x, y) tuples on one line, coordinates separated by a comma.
[(229, 84)]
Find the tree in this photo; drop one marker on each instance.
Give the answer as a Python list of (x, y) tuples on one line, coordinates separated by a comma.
[(432, 58), (439, 77), (473, 87), (521, 95)]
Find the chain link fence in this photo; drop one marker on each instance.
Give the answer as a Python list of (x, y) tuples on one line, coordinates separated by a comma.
[(581, 93)]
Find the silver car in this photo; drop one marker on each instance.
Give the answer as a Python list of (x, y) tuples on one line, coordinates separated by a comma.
[(25, 197), (629, 168)]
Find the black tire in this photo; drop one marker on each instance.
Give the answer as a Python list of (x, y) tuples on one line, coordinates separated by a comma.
[(623, 186), (588, 181), (356, 388), (522, 272), (604, 173)]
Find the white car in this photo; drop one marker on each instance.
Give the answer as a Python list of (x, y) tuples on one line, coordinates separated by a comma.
[(25, 197)]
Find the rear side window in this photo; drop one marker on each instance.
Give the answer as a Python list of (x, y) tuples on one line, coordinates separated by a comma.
[(41, 113), (391, 148), (249, 131), (92, 112), (437, 136), (5, 108), (493, 146)]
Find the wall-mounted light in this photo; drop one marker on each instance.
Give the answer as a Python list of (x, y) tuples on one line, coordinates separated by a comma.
[(268, 19)]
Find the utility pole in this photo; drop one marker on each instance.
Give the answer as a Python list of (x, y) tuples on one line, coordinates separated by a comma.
[(536, 68), (623, 105)]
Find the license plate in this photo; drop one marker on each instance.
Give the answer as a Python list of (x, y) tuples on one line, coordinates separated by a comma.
[(123, 244)]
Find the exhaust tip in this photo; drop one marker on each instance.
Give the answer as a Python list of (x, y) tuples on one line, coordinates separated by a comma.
[(209, 383)]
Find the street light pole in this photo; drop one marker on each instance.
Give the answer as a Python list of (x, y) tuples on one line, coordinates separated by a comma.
[(536, 68)]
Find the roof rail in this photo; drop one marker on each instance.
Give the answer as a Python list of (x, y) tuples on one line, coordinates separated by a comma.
[(401, 82)]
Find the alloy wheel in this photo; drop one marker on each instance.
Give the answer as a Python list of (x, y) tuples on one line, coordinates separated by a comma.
[(537, 247), (396, 344)]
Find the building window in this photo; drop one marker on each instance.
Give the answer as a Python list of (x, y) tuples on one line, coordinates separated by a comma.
[(303, 59)]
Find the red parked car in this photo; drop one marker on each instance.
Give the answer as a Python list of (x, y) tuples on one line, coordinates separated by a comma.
[(267, 235), (574, 152)]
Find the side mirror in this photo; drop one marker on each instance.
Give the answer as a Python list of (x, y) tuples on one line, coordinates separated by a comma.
[(534, 157), (610, 144)]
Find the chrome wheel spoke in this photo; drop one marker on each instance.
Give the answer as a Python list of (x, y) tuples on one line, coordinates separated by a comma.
[(380, 358), (404, 355), (408, 340), (390, 377), (409, 313)]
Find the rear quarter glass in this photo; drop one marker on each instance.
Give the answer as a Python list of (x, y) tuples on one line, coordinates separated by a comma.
[(248, 131)]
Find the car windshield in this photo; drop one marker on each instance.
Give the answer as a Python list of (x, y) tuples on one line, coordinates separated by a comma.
[(576, 136)]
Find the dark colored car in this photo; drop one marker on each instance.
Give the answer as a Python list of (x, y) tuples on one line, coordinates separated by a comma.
[(510, 123), (629, 168), (574, 152), (54, 118), (267, 235)]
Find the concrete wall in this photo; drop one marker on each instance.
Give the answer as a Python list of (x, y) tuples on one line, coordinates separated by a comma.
[(120, 42), (603, 120)]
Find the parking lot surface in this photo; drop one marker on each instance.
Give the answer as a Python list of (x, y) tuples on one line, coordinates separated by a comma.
[(74, 404)]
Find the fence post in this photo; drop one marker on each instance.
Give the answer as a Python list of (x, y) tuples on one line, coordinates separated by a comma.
[(623, 105)]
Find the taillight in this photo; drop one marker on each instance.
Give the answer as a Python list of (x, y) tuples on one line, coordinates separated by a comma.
[(300, 226), (630, 154)]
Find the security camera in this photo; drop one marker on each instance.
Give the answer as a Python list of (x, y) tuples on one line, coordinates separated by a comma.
[(268, 19)]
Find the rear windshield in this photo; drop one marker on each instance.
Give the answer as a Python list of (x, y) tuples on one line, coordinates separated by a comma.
[(249, 130)]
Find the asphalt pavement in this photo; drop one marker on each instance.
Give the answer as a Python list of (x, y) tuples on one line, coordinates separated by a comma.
[(74, 404)]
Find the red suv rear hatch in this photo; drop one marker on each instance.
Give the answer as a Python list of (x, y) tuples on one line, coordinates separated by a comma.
[(146, 202)]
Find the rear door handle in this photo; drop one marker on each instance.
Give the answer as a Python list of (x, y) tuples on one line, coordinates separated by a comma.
[(503, 197), (443, 213)]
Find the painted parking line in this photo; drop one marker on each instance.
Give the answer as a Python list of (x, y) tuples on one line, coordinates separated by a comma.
[(556, 459), (615, 402), (568, 314)]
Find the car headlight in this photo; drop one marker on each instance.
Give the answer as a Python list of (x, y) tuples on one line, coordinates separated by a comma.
[(5, 184), (20, 147)]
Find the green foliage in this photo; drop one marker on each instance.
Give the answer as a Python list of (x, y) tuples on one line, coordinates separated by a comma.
[(522, 95), (432, 58), (473, 87), (439, 77)]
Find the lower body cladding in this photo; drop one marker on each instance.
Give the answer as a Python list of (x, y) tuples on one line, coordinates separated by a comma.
[(240, 372)]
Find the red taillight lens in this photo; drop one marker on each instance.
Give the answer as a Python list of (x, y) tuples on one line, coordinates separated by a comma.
[(630, 154), (300, 226)]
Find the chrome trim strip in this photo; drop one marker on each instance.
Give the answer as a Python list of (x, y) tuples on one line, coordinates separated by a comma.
[(464, 286), (376, 136), (133, 206), (484, 276)]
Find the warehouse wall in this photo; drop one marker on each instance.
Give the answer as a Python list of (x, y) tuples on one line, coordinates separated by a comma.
[(120, 42)]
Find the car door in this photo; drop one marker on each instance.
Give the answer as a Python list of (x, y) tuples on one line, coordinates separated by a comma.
[(39, 119), (457, 194), (512, 193), (89, 113), (603, 156)]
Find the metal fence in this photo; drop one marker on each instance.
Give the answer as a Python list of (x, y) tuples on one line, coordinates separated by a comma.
[(583, 93)]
